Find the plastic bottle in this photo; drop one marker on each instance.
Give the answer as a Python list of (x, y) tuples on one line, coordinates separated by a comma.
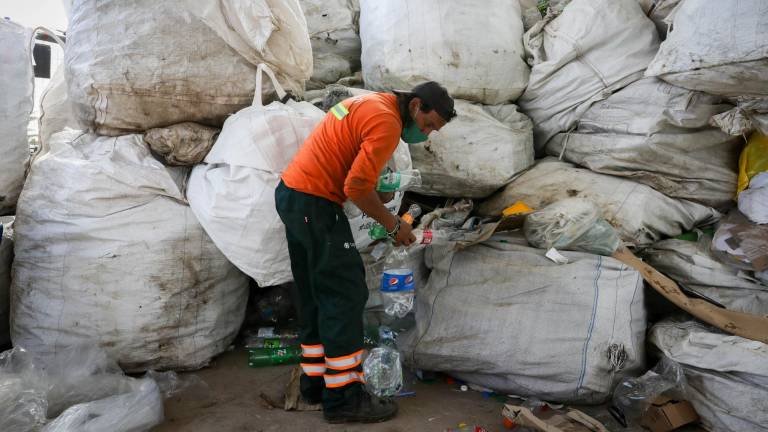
[(271, 342), (398, 180), (382, 368), (258, 357), (378, 232)]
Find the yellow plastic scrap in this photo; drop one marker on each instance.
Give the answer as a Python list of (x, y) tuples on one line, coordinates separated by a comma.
[(753, 159), (517, 208)]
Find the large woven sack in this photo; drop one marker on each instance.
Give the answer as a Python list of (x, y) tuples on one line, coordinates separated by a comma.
[(107, 252), (727, 375), (475, 51), (640, 214), (138, 64), (502, 315), (693, 266), (16, 88), (476, 153), (657, 134), (580, 56), (233, 192)]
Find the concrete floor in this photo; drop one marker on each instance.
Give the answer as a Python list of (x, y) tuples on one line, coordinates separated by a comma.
[(232, 403)]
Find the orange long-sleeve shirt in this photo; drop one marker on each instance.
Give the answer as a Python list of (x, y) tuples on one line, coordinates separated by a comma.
[(343, 158)]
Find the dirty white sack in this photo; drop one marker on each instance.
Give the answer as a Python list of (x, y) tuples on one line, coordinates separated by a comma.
[(108, 252), (640, 214), (476, 153), (502, 315), (727, 375), (582, 55), (657, 134), (753, 201), (16, 88), (475, 52)]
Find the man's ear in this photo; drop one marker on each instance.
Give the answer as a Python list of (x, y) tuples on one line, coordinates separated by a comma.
[(413, 104)]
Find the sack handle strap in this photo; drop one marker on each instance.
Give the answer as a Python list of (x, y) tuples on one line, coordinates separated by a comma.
[(260, 71)]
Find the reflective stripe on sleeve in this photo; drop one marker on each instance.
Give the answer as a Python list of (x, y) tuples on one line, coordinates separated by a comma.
[(342, 379), (345, 362)]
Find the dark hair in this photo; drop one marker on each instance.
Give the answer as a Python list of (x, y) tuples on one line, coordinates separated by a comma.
[(403, 100)]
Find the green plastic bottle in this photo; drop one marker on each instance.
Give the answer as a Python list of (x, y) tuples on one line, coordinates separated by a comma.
[(259, 357)]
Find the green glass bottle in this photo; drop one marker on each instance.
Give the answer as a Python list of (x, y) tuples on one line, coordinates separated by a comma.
[(259, 357)]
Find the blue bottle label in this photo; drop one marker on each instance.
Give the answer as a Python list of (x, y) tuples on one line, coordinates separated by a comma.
[(398, 280)]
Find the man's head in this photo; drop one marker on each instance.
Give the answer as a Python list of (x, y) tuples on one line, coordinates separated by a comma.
[(428, 105)]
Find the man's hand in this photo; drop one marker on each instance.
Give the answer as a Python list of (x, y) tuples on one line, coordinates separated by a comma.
[(386, 197), (404, 236)]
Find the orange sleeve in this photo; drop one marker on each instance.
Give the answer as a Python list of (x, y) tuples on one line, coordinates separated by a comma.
[(380, 137)]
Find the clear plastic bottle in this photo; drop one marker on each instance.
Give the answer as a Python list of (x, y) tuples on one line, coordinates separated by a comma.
[(378, 232), (397, 285), (398, 180), (382, 369)]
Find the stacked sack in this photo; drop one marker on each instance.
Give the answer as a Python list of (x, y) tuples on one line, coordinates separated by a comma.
[(108, 249)]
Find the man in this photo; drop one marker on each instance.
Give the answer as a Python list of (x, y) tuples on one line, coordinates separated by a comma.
[(340, 160)]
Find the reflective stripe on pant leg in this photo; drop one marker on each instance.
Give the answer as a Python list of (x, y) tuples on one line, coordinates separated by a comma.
[(312, 351), (344, 362), (313, 369), (342, 379)]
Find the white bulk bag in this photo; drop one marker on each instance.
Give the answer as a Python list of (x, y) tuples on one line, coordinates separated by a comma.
[(694, 267), (477, 152), (720, 50), (56, 112), (641, 215), (16, 88), (727, 375), (333, 32), (502, 315), (6, 259), (138, 64), (591, 49), (233, 192), (753, 202), (476, 52), (657, 134), (108, 252)]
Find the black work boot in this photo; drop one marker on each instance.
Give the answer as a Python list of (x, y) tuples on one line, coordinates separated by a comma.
[(355, 405), (311, 389)]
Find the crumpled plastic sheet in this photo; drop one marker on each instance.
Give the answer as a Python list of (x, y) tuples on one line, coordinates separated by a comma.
[(633, 396)]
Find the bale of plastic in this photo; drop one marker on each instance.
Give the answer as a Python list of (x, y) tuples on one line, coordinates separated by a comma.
[(139, 64), (693, 266), (108, 252), (476, 153), (581, 54), (502, 315), (17, 88), (657, 134), (727, 375), (475, 52), (333, 27), (640, 214)]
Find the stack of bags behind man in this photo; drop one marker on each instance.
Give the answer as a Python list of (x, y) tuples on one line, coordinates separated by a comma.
[(107, 247)]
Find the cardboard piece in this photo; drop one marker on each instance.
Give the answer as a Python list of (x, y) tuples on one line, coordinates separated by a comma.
[(552, 420), (742, 324), (667, 414)]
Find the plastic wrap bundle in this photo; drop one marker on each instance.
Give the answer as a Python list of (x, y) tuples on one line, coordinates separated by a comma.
[(233, 193), (475, 52), (580, 56), (571, 224), (333, 32), (182, 144), (502, 315), (727, 375), (476, 153), (640, 214), (108, 252), (657, 134), (693, 266), (138, 64), (16, 87), (722, 51)]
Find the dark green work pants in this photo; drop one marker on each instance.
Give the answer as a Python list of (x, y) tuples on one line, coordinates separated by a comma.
[(330, 279)]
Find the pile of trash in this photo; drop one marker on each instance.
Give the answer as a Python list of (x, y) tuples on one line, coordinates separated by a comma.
[(605, 152)]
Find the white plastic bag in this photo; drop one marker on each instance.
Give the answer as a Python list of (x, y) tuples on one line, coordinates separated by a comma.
[(753, 201), (138, 64), (16, 88), (476, 153), (108, 252), (593, 48), (233, 192), (475, 52), (640, 214)]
